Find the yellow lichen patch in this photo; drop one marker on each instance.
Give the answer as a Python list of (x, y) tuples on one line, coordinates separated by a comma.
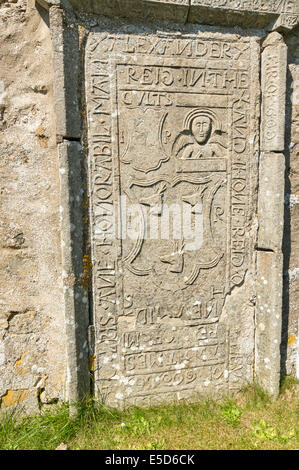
[(43, 139), (86, 275), (13, 398), (85, 203), (23, 364), (19, 367), (92, 363), (40, 132), (291, 340)]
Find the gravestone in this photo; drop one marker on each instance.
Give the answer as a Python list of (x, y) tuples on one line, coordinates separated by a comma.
[(172, 123), (185, 125)]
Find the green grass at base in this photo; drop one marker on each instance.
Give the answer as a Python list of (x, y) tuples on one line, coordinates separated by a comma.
[(251, 420)]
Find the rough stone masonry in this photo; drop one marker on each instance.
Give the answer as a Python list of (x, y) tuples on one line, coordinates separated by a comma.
[(149, 199)]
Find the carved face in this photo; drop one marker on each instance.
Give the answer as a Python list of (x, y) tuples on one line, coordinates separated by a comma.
[(201, 127)]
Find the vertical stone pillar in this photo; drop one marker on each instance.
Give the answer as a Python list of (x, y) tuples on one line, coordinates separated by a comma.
[(271, 214), (274, 63), (65, 41), (75, 296)]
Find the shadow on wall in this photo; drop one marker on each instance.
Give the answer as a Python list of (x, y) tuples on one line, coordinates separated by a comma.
[(44, 14)]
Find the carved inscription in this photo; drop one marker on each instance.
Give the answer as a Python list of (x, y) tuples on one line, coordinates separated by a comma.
[(273, 103), (171, 141), (267, 6)]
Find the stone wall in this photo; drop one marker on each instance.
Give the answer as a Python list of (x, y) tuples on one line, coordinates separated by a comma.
[(39, 340), (32, 327)]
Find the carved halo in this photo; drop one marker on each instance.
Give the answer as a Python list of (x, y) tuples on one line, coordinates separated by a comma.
[(203, 112)]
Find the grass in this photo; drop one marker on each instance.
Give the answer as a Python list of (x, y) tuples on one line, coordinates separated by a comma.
[(251, 420)]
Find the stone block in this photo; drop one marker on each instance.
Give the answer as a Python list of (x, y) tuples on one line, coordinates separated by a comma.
[(75, 296), (65, 42), (271, 201), (268, 320), (274, 72), (247, 13), (172, 127)]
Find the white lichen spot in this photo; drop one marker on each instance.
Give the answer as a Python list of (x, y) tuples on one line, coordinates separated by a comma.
[(293, 274)]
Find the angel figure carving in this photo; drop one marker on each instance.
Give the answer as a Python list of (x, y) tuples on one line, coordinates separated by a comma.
[(200, 137)]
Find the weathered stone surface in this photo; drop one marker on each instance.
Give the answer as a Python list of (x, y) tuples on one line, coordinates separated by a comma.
[(66, 76), (254, 14), (168, 320), (158, 301), (268, 320), (248, 13), (32, 332), (274, 68), (273, 14), (271, 201), (290, 343), (75, 296), (49, 3), (172, 10)]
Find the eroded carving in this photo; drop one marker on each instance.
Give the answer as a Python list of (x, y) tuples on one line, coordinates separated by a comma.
[(172, 131)]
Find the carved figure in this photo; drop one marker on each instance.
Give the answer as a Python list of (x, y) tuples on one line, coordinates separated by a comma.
[(199, 137)]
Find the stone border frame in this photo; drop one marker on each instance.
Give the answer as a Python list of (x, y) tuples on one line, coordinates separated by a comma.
[(269, 257), (65, 40), (271, 213)]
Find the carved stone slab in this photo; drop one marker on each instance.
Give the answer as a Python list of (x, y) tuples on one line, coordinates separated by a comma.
[(248, 13), (173, 128), (274, 59)]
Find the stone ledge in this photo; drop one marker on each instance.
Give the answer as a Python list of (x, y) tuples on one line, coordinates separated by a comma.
[(247, 13)]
